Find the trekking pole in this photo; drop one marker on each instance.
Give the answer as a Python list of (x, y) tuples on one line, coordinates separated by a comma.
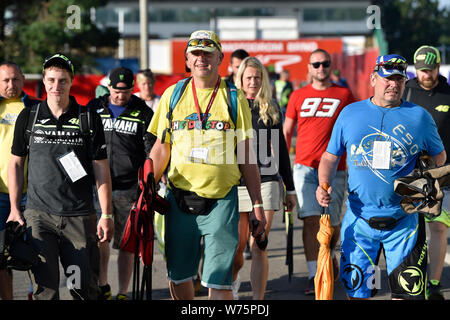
[(135, 293)]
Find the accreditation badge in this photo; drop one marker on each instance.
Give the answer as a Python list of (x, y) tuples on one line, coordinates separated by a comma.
[(382, 151), (199, 155), (72, 166)]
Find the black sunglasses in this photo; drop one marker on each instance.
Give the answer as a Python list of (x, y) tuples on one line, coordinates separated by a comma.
[(325, 64)]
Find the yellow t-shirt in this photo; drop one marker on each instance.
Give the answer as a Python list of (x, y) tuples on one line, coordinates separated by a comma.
[(9, 110), (203, 161)]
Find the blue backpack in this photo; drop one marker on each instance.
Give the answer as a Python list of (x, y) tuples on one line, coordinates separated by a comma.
[(178, 92)]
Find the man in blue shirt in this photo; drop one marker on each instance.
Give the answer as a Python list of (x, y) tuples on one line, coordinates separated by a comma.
[(383, 136)]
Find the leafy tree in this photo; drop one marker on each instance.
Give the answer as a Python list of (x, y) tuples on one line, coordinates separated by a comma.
[(42, 27), (409, 24)]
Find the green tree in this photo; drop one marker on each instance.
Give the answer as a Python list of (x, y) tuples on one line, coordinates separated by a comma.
[(409, 24), (43, 27)]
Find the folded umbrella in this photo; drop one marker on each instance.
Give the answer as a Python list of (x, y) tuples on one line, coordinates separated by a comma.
[(324, 279)]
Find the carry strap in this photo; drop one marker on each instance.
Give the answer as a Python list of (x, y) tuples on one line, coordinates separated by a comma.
[(84, 118), (408, 95), (174, 98), (30, 124), (232, 100)]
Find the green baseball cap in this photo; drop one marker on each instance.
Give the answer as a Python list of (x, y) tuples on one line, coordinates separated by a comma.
[(427, 58)]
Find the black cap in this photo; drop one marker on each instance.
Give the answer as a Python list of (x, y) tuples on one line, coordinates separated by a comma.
[(60, 59), (121, 74)]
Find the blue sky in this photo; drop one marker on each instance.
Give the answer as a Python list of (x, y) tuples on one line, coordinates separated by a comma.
[(445, 3)]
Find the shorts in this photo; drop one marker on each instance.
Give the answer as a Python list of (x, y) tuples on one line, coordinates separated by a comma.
[(444, 217), (71, 240), (405, 250), (122, 201), (5, 209), (306, 181), (219, 230), (270, 193)]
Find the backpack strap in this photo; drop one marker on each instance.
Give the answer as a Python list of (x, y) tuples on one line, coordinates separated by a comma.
[(408, 94), (174, 98), (232, 100), (30, 123), (179, 90), (84, 121)]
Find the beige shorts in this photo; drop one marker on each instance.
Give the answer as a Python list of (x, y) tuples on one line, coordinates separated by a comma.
[(271, 196)]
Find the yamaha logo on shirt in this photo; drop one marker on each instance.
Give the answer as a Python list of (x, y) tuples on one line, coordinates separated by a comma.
[(57, 137), (120, 125)]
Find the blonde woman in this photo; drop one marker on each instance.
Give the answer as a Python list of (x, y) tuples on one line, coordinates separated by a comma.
[(273, 161), (145, 80)]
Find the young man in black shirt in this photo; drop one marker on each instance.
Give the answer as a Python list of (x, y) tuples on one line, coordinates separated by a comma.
[(62, 164)]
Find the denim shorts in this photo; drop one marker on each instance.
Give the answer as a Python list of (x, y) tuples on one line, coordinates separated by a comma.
[(306, 181), (219, 230)]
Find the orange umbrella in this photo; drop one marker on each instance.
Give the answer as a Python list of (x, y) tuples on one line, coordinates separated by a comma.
[(324, 279)]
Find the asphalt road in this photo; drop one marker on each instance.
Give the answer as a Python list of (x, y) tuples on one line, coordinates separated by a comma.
[(278, 286)]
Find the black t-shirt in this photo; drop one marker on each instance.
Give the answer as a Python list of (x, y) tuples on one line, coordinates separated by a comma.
[(436, 101), (270, 138), (49, 187)]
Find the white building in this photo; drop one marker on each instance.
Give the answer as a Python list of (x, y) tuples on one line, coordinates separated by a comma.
[(249, 19)]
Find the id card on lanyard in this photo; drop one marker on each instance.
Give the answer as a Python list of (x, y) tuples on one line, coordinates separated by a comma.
[(200, 155)]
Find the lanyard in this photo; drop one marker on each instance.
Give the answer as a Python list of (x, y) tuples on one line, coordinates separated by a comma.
[(210, 101)]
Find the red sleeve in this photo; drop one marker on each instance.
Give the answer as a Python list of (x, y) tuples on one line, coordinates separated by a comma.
[(350, 98), (291, 112)]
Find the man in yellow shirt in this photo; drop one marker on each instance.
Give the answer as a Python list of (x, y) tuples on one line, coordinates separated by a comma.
[(12, 101), (204, 172)]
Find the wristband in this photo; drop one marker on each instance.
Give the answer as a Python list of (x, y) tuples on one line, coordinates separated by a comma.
[(258, 205), (106, 216), (291, 192)]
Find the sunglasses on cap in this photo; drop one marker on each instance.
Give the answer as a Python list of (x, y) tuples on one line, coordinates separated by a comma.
[(325, 64), (400, 66), (202, 42)]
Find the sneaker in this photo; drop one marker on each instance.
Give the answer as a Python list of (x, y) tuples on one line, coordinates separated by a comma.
[(105, 292), (121, 297), (247, 252), (434, 291), (335, 268), (309, 289), (235, 287)]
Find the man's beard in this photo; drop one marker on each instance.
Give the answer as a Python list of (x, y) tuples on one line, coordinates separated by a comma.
[(429, 83), (321, 78)]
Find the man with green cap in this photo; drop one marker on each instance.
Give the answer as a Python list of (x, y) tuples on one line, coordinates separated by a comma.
[(431, 91)]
